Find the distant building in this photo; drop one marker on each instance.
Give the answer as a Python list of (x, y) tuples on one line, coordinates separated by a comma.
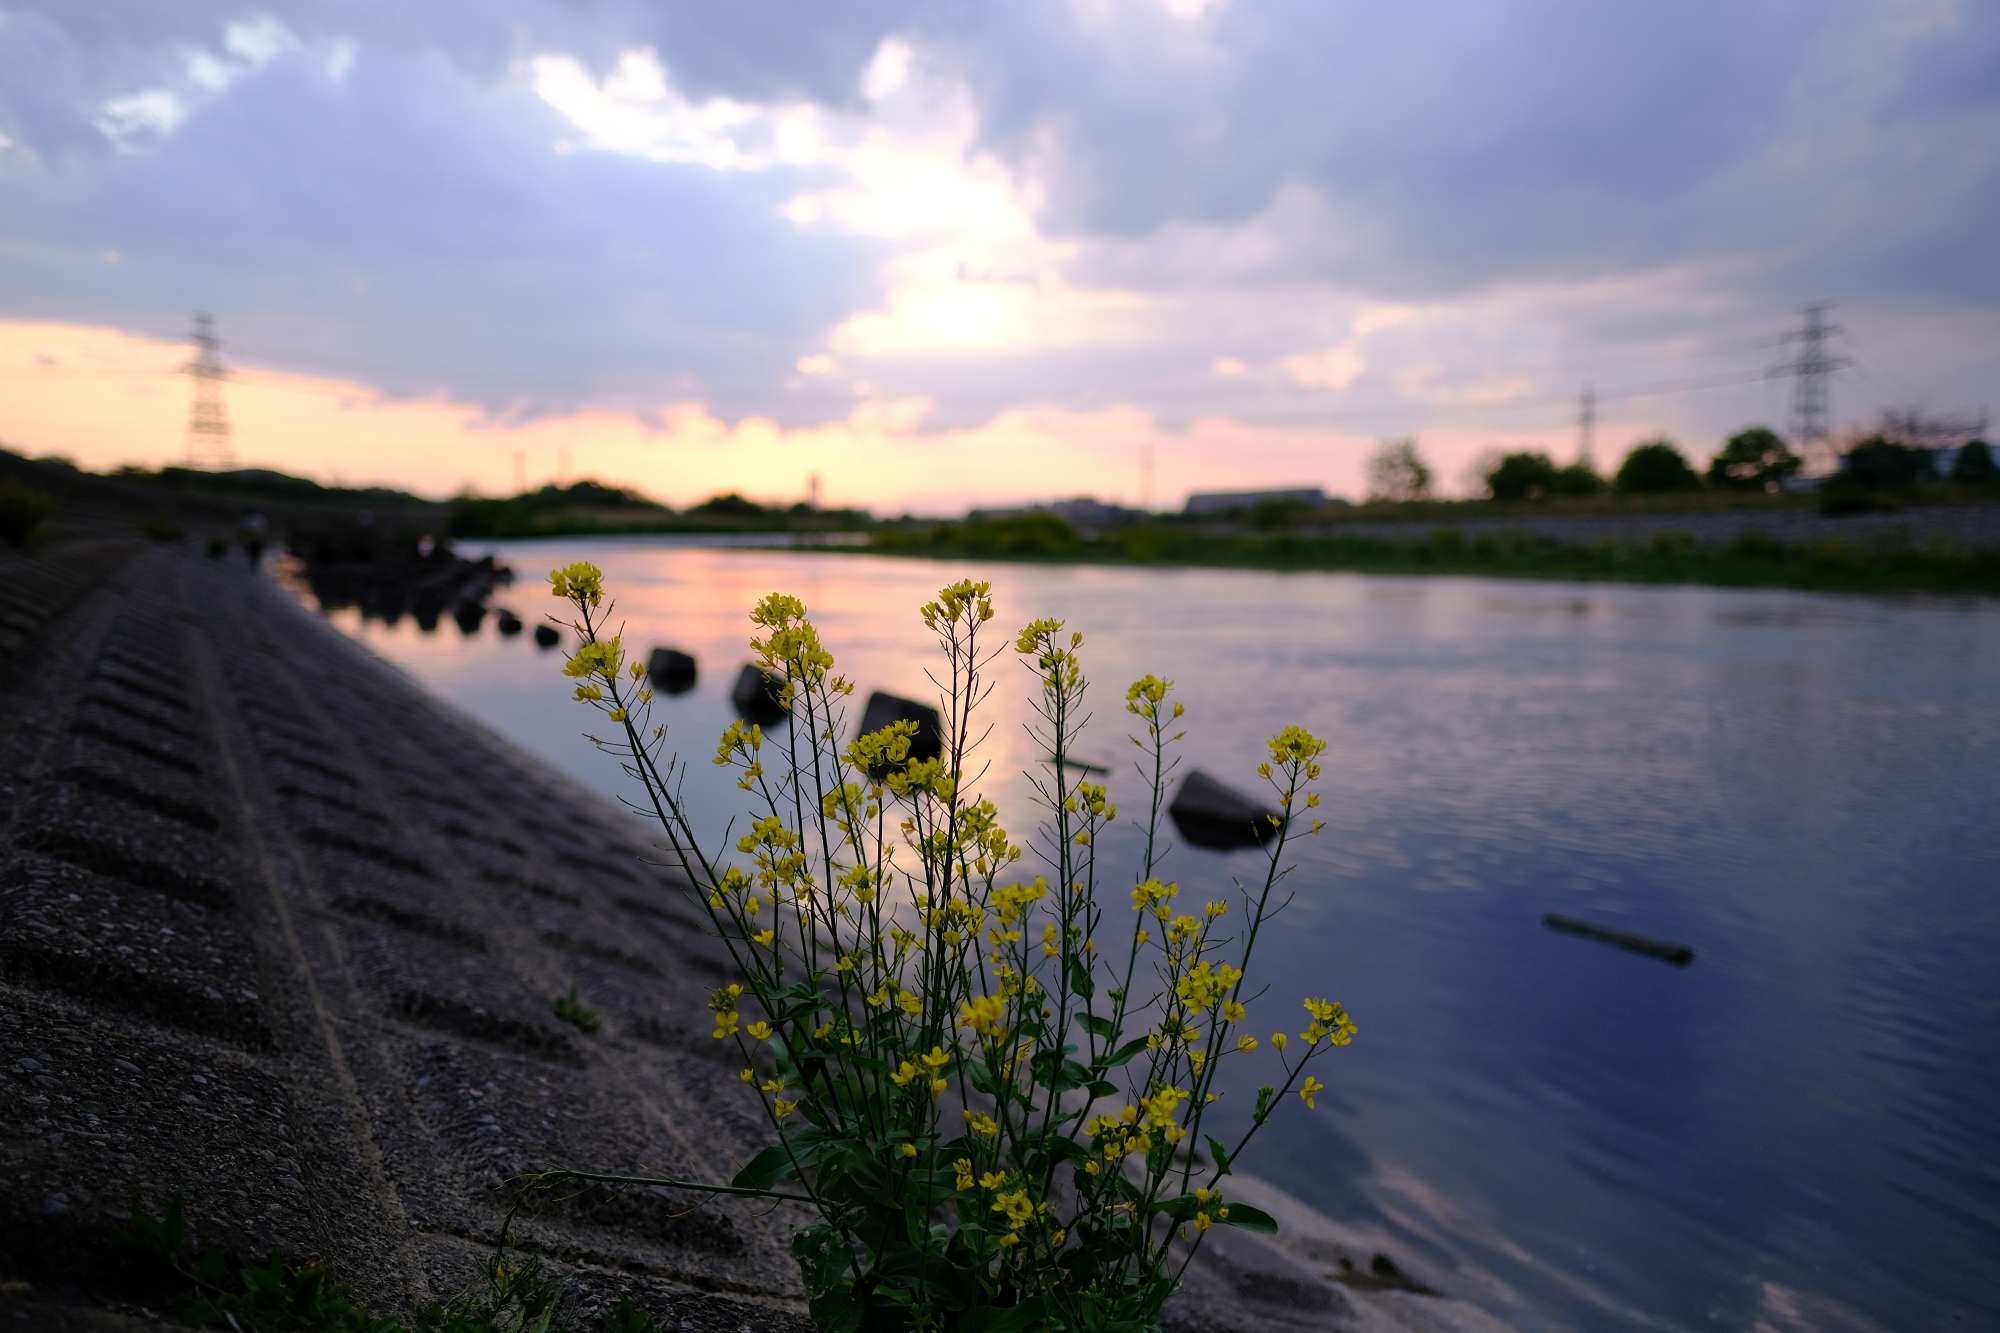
[(1223, 502)]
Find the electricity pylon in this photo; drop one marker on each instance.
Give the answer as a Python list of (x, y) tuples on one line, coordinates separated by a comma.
[(1812, 396), (208, 443), (1586, 427)]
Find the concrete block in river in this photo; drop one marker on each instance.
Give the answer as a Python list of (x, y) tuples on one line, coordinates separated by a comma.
[(756, 696), (883, 709), (546, 636), (672, 670), (1211, 815)]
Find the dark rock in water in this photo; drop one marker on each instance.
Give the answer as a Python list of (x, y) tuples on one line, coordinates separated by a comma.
[(672, 670), (1677, 954), (883, 709), (507, 622), (546, 636), (1211, 815), (756, 696), (469, 615)]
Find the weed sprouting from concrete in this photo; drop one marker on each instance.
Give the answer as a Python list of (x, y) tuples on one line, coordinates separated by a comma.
[(280, 1296), (574, 1011), (992, 1085)]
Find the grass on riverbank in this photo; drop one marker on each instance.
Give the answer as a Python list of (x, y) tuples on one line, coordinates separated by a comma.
[(1753, 560)]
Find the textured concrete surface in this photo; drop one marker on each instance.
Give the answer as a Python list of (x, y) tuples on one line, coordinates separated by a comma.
[(281, 934)]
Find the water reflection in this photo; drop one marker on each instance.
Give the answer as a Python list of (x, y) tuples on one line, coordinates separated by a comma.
[(1796, 1128)]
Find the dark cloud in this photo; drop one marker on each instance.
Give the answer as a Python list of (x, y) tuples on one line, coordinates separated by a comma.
[(405, 223), (408, 216)]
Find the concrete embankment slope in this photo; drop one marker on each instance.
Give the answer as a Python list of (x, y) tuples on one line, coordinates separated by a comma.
[(280, 934)]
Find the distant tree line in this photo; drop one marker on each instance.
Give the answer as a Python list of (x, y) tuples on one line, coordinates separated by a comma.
[(587, 507), (1902, 453)]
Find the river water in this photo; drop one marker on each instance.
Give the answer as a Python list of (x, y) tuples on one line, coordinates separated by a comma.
[(1799, 1130)]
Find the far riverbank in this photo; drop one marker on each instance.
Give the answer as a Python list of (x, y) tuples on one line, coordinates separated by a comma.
[(1943, 549)]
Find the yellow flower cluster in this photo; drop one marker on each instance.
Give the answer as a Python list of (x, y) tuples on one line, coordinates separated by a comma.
[(723, 1004), (580, 582), (955, 601), (1204, 984), (1330, 1023)]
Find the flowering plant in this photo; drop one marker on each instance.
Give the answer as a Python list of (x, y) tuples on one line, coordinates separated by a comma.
[(990, 1086)]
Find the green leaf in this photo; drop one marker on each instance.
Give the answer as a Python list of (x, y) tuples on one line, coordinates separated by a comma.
[(1123, 1054), (1101, 1089), (837, 1311), (152, 1238), (1013, 1319), (1220, 1154), (1250, 1219), (1079, 978), (788, 1069), (1098, 1027), (626, 1317), (982, 1077), (799, 1149), (823, 1258)]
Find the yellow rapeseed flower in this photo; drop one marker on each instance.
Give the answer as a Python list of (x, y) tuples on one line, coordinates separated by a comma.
[(981, 1012), (760, 1030), (579, 582), (1308, 1088)]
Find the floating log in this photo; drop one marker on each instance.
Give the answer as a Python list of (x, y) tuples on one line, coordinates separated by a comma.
[(1677, 954), (755, 695), (672, 670), (546, 636), (883, 709), (1221, 818)]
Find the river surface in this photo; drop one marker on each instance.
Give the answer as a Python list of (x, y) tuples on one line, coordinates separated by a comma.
[(1800, 1130)]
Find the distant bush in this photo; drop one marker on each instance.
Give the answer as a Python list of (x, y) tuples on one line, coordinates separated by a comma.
[(22, 510), (1278, 513), (1878, 464), (1578, 478), (1974, 465), (1018, 535), (1655, 468), (1397, 472), (1524, 476), (731, 506), (1753, 460), (1753, 545)]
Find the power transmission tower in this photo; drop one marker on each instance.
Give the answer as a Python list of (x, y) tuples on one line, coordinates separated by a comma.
[(208, 429), (1586, 426), (1812, 396)]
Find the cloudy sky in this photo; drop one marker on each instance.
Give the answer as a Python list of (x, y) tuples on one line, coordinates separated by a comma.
[(944, 253)]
